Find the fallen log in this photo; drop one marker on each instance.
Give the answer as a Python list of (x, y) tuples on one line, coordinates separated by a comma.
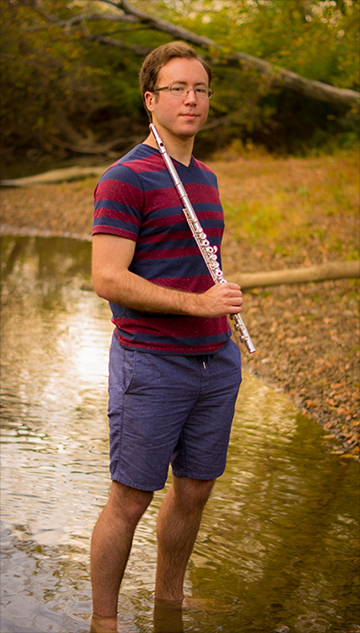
[(57, 175), (322, 272)]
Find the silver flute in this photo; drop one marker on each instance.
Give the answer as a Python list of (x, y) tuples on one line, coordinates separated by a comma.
[(207, 251)]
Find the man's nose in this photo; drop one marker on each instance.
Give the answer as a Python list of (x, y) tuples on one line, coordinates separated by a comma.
[(191, 96)]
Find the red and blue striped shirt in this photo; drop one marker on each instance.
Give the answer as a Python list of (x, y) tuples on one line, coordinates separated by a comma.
[(136, 199)]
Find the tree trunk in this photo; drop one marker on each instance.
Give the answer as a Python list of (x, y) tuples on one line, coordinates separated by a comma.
[(322, 272), (280, 77), (56, 175)]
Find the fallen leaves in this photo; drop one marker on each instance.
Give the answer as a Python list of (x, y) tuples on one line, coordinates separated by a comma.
[(320, 373)]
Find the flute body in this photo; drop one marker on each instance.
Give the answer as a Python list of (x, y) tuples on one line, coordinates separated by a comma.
[(207, 251)]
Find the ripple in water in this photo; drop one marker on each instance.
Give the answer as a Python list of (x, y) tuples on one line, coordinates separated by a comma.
[(278, 546)]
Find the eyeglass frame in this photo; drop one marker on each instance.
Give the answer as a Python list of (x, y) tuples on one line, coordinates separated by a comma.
[(187, 90)]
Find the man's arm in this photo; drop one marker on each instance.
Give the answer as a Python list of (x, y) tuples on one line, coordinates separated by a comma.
[(111, 258)]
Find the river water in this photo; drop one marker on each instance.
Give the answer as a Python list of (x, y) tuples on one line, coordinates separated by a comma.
[(278, 548)]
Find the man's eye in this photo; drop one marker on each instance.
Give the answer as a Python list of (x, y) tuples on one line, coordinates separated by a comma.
[(201, 91), (178, 89)]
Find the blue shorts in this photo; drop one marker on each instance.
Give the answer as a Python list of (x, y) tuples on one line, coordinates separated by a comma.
[(170, 409)]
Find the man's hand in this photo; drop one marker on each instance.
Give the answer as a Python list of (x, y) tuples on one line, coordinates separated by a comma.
[(219, 300)]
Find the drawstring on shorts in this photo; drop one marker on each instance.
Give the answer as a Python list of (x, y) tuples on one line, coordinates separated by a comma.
[(206, 359)]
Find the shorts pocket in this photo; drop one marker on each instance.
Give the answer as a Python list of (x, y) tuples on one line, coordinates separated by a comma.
[(128, 368), (121, 368)]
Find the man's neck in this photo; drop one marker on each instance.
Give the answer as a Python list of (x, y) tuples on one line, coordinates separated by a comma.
[(178, 148)]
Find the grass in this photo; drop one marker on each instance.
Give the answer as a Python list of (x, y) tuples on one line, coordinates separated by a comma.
[(292, 204)]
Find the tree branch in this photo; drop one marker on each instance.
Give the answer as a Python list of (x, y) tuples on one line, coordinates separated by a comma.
[(166, 27), (78, 19), (280, 77), (137, 49), (84, 147)]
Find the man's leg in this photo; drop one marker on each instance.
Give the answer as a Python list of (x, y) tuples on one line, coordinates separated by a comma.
[(111, 545), (178, 524)]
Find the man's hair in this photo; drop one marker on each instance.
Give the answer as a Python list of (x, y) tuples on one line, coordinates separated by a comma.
[(160, 56)]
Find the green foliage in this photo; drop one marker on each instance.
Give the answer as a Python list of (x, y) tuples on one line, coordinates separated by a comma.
[(316, 39)]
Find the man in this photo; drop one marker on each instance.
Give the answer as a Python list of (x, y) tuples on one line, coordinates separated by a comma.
[(174, 373)]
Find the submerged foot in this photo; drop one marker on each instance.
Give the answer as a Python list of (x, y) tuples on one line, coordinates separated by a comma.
[(168, 616)]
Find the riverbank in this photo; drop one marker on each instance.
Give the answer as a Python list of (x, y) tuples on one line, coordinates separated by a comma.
[(279, 214)]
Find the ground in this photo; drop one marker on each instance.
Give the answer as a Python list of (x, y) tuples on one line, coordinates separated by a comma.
[(307, 336)]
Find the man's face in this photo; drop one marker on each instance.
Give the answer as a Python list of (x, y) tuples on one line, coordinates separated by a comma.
[(181, 116)]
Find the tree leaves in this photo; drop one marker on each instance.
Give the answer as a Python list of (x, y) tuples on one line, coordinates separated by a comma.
[(66, 65)]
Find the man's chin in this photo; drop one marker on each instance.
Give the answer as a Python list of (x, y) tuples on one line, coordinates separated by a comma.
[(190, 129)]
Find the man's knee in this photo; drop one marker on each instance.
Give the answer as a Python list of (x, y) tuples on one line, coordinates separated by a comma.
[(127, 503), (192, 493)]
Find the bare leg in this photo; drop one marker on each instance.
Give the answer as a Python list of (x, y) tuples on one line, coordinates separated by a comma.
[(178, 524), (111, 545)]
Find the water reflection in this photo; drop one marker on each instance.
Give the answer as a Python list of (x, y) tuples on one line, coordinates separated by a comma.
[(278, 547)]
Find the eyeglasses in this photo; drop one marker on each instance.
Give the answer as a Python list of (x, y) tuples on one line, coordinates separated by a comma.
[(180, 91)]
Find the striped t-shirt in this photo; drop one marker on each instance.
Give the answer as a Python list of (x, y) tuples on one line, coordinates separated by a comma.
[(136, 199)]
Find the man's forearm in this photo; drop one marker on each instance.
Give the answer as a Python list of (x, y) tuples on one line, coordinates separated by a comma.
[(132, 291)]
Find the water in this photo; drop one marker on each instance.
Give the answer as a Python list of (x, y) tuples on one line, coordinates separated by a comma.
[(278, 547)]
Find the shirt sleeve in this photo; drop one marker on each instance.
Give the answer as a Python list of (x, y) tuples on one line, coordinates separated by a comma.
[(118, 203)]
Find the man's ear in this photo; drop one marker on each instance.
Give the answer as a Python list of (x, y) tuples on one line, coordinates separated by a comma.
[(149, 98)]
